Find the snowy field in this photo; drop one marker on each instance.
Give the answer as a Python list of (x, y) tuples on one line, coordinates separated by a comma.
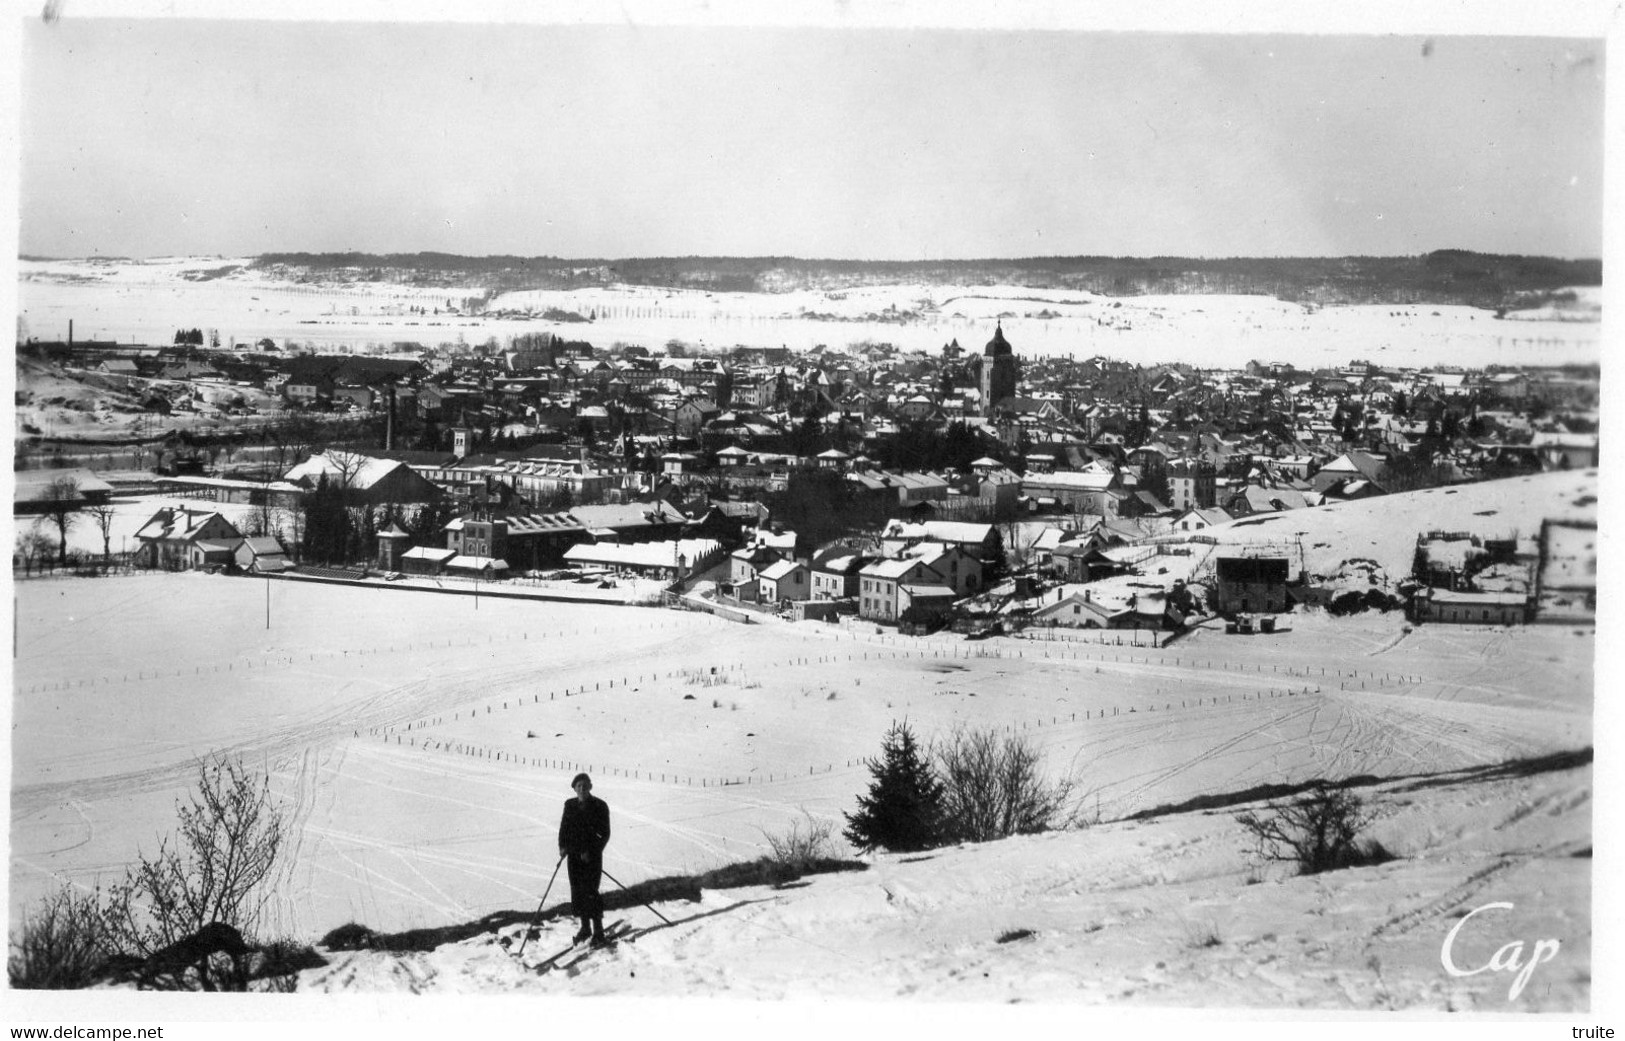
[(147, 301), (424, 746)]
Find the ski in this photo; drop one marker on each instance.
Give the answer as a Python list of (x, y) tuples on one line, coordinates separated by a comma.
[(612, 934)]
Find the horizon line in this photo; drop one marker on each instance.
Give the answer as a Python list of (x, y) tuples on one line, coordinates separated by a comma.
[(781, 257)]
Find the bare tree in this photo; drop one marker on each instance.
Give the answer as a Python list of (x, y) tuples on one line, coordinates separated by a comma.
[(264, 520), (33, 545), (290, 439), (62, 504), (291, 524), (103, 513), (347, 468), (1019, 547), (214, 870)]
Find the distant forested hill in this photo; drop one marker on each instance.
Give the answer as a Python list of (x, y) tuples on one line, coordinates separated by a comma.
[(1441, 277)]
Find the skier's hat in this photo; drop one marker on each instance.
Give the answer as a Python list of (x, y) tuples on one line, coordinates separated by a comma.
[(578, 778)]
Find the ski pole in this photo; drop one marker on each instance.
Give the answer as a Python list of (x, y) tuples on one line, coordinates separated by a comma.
[(618, 882), (536, 919)]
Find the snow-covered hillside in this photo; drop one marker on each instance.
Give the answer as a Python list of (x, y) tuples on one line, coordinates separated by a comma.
[(1384, 529), (1173, 912)]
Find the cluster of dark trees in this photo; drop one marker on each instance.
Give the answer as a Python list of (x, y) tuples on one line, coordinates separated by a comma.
[(338, 529), (925, 446), (822, 506)]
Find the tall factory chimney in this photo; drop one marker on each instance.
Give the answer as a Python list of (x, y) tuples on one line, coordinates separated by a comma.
[(389, 422)]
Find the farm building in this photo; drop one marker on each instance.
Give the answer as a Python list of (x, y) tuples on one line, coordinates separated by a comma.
[(1443, 605), (33, 491), (368, 479)]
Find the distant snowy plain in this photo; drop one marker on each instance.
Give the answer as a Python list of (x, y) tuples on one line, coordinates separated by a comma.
[(146, 302)]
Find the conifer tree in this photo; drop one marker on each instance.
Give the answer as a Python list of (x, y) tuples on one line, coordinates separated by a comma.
[(903, 811)]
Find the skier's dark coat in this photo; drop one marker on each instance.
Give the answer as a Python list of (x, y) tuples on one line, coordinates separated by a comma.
[(583, 834)]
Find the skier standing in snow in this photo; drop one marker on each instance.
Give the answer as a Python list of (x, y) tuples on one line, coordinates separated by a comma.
[(583, 834)]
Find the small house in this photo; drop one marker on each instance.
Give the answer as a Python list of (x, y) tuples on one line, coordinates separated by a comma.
[(261, 555), (961, 570), (879, 586), (426, 560), (177, 538), (744, 565), (1082, 611), (835, 573), (784, 580), (924, 603)]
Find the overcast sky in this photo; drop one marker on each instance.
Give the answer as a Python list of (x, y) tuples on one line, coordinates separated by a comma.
[(157, 137)]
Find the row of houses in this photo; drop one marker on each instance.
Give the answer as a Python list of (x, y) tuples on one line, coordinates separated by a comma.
[(913, 571)]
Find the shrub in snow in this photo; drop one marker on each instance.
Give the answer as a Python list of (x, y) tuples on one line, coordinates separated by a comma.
[(1319, 831), (903, 811), (799, 848), (278, 964), (994, 787), (61, 945), (351, 936), (213, 871), (1199, 935)]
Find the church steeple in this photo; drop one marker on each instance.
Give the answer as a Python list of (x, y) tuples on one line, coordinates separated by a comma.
[(998, 345), (998, 371)]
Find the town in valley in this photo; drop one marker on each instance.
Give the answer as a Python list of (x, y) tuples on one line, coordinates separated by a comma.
[(1007, 520)]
